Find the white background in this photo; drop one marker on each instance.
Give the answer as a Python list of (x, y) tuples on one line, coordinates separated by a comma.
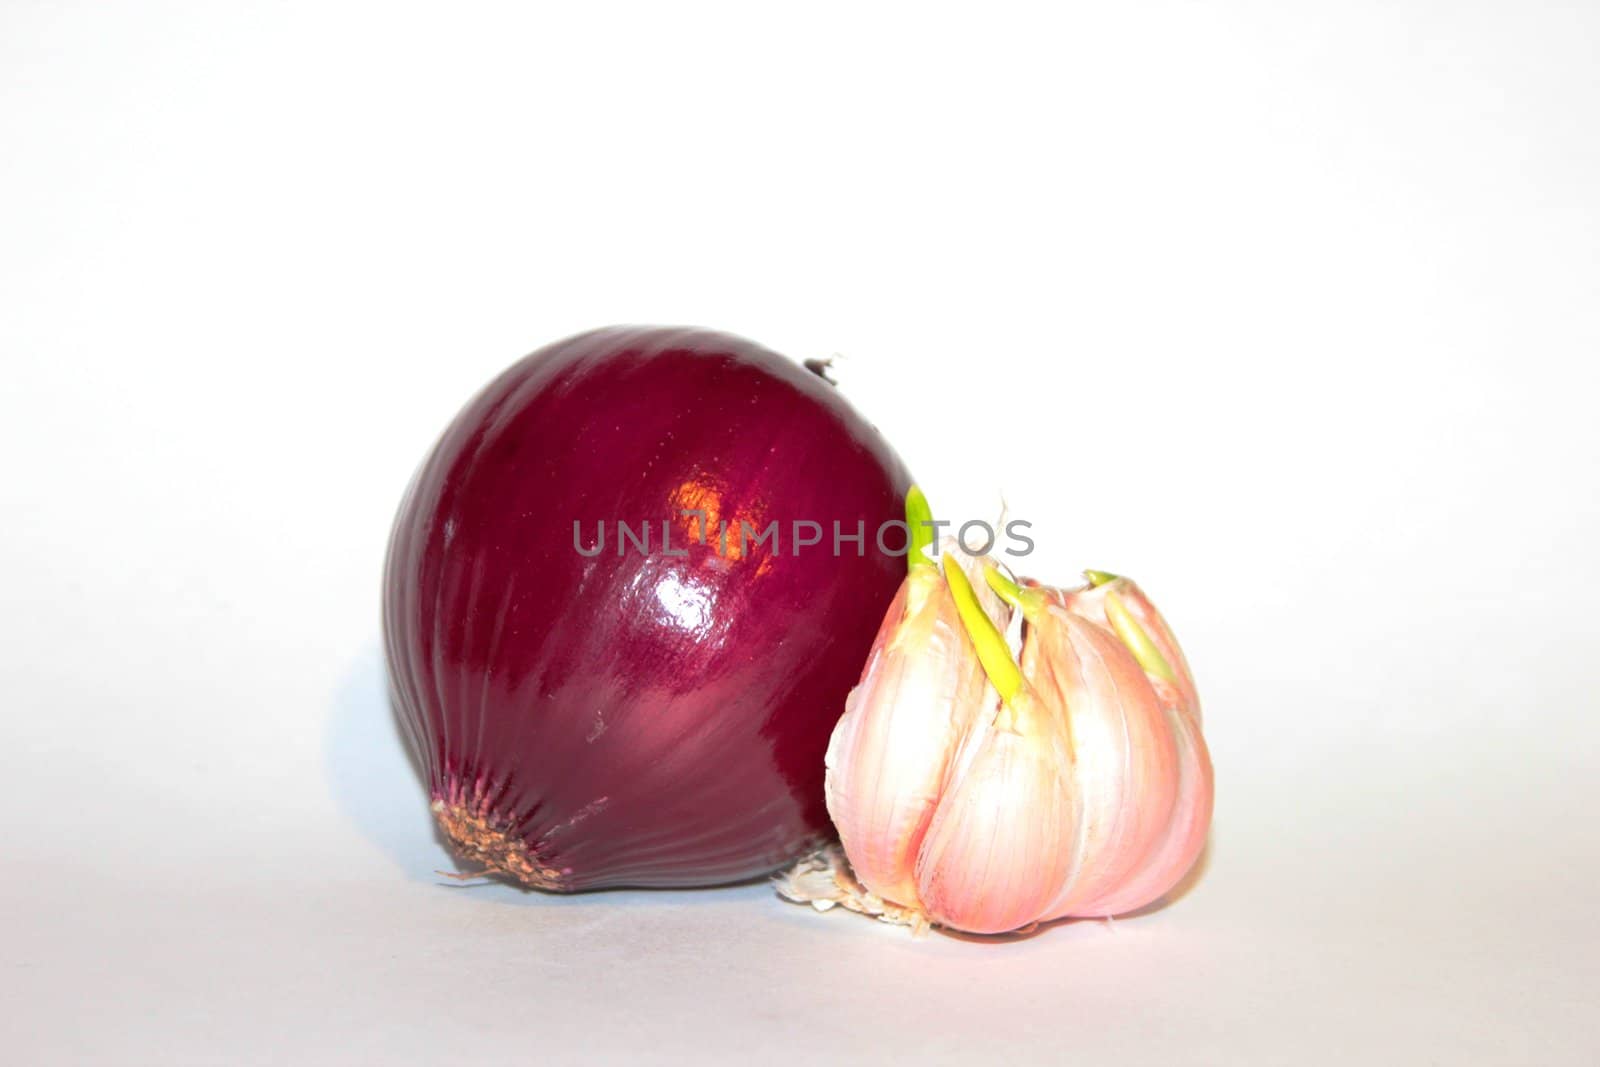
[(1290, 311)]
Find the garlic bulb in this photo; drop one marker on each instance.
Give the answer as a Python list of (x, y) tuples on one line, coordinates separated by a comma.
[(982, 793)]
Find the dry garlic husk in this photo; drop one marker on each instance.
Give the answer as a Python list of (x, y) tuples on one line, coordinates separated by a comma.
[(983, 792)]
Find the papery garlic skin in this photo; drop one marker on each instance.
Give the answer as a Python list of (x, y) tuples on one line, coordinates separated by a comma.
[(920, 694)]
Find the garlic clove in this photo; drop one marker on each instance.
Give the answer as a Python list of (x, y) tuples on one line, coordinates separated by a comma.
[(889, 756), (1125, 774), (1119, 605), (1184, 838), (1000, 846)]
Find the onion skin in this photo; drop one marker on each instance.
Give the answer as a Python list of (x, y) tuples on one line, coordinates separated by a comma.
[(637, 720)]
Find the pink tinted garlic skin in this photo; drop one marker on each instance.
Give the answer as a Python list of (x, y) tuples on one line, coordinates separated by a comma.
[(1074, 783), (888, 759), (1185, 836), (1125, 600), (996, 855)]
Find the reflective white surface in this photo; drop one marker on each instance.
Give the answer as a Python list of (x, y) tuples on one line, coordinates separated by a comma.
[(1289, 312)]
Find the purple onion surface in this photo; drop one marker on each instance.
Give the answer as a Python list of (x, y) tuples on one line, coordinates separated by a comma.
[(637, 717)]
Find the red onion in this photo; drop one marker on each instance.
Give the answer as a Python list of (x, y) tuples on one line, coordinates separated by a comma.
[(633, 718)]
